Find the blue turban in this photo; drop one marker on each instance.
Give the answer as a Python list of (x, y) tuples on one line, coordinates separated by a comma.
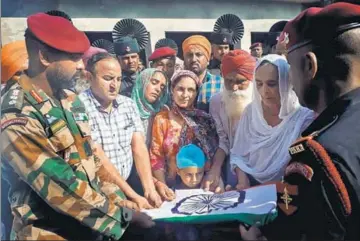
[(190, 156)]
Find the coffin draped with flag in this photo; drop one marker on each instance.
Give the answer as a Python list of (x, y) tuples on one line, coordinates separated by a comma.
[(251, 206)]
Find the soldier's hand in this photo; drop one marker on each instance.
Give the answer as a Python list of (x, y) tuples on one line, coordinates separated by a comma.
[(153, 198), (142, 203), (142, 219), (129, 204), (164, 191), (253, 233)]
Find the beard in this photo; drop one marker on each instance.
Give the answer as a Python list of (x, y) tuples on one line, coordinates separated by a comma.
[(81, 85), (311, 97), (236, 101), (59, 81)]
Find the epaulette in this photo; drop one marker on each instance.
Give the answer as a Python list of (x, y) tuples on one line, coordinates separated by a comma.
[(13, 100), (309, 157)]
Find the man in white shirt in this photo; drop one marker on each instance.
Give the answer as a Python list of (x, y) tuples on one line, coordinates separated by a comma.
[(226, 107)]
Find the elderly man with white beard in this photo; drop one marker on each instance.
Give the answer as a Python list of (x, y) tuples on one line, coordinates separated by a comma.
[(226, 107)]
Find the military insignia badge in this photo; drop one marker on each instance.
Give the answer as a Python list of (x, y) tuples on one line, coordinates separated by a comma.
[(225, 40), (36, 96), (57, 125), (301, 169), (296, 149), (127, 49), (16, 121), (286, 196), (283, 38), (286, 38)]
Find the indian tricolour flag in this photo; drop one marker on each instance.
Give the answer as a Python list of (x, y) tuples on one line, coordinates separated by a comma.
[(255, 205)]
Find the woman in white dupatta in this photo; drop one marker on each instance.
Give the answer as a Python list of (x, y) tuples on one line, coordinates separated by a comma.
[(268, 126)]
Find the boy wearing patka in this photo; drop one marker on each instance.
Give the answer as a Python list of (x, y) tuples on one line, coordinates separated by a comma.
[(190, 162)]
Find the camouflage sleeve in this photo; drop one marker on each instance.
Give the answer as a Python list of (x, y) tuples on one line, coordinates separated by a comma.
[(31, 154)]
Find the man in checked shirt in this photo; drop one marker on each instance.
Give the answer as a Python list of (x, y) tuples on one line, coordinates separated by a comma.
[(116, 126), (197, 52)]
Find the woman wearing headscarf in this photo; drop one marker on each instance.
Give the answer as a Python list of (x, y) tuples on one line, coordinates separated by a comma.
[(150, 94), (179, 126), (14, 60), (268, 126)]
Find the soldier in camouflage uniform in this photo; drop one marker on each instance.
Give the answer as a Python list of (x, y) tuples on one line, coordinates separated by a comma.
[(59, 187)]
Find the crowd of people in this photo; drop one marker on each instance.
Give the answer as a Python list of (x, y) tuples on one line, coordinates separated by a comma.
[(90, 137)]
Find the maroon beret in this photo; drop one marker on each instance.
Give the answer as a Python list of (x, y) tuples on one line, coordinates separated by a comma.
[(162, 53), (293, 34), (319, 25), (254, 45), (58, 33)]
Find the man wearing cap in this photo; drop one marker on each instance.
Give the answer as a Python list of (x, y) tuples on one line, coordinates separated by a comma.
[(226, 107), (167, 42), (164, 59), (320, 196), (60, 187), (220, 44), (127, 51), (256, 50), (197, 52)]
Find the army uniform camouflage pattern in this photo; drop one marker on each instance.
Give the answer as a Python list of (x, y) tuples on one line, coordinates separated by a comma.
[(47, 158)]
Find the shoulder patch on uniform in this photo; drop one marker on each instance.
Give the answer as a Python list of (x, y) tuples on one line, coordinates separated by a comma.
[(300, 168), (15, 121), (13, 100)]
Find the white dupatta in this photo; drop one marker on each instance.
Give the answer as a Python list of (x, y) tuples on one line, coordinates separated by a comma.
[(259, 149)]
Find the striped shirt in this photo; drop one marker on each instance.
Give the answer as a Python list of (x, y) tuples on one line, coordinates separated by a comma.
[(114, 130)]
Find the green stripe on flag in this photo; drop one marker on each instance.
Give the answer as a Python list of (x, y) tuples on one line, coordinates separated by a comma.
[(247, 218)]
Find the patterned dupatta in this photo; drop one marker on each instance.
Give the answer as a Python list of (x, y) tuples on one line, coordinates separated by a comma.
[(203, 126)]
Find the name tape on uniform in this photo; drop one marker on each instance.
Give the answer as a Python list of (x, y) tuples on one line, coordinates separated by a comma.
[(16, 121)]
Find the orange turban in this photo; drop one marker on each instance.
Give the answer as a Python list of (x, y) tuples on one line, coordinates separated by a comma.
[(197, 41), (14, 58), (238, 61)]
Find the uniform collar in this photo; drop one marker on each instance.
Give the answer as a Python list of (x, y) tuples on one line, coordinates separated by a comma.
[(37, 94), (334, 111), (129, 75)]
